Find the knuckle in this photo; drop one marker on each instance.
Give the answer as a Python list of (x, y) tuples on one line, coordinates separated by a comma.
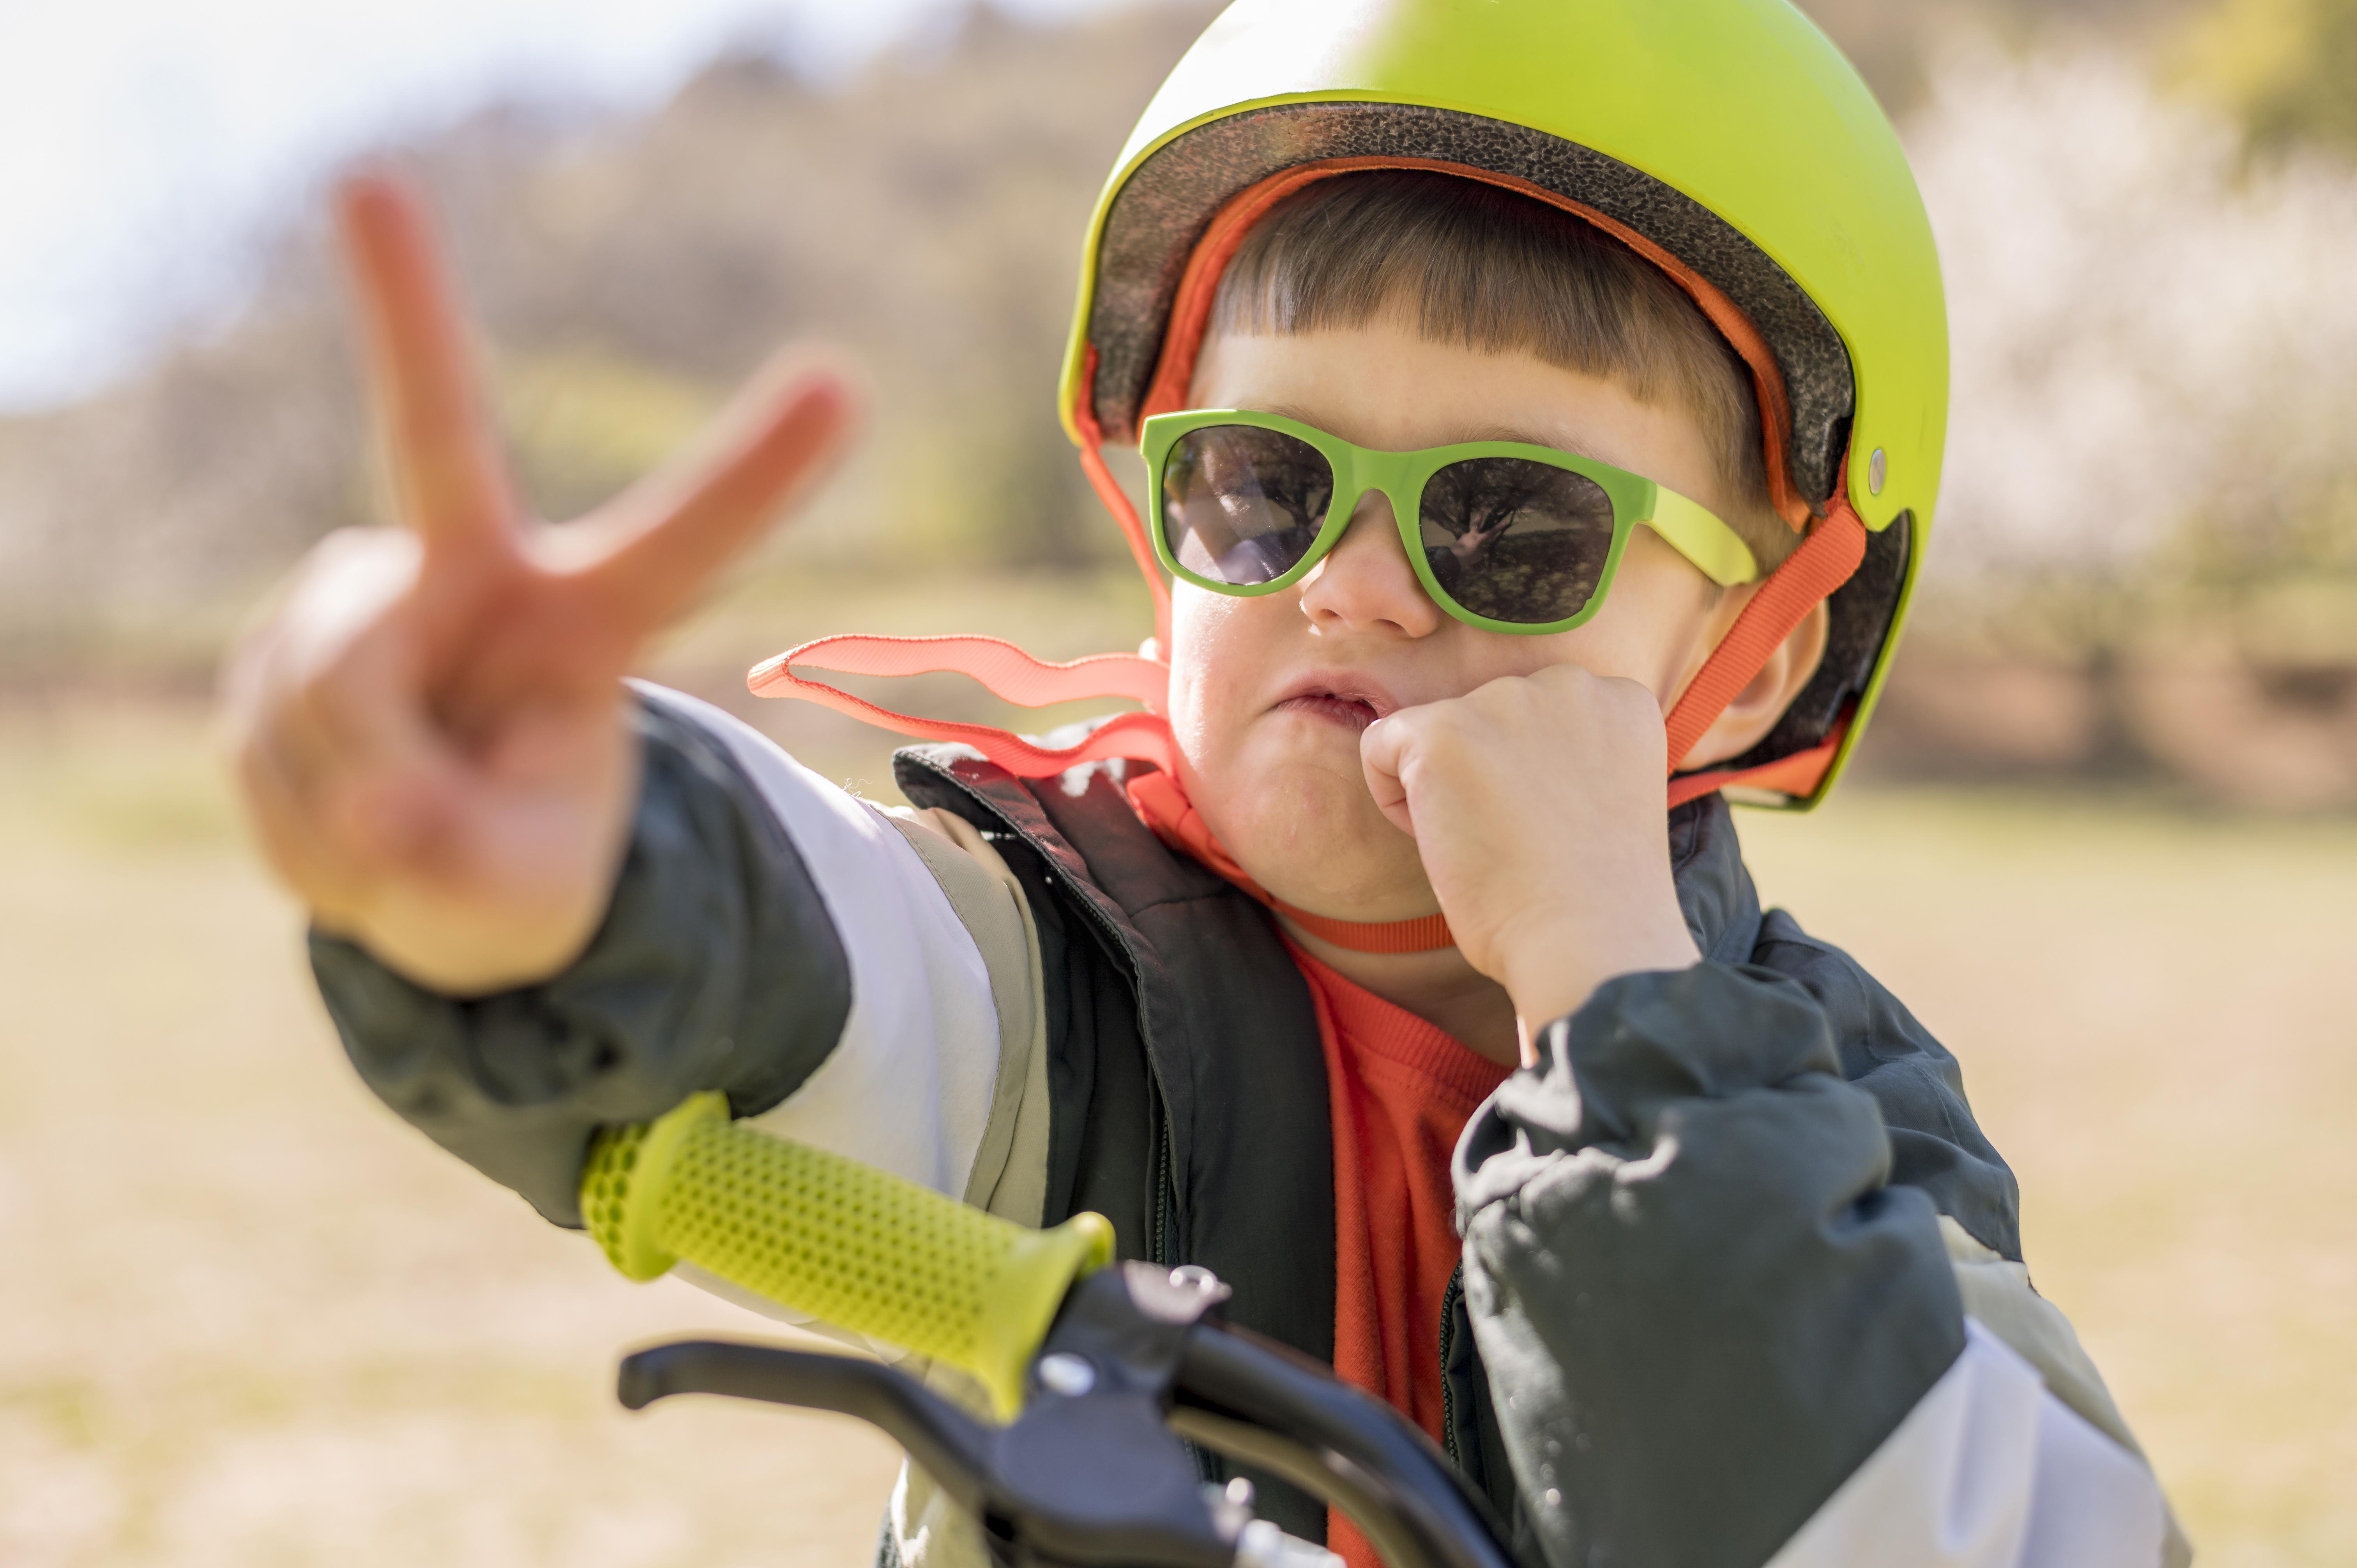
[(322, 686), (251, 753), (1451, 722), (1408, 722), (342, 822), (348, 549), (1634, 701)]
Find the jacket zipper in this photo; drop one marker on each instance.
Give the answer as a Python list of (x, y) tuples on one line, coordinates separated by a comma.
[(1165, 1200), (1450, 1299)]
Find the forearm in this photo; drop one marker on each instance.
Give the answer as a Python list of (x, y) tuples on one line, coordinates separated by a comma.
[(1717, 1317), (1989, 1469)]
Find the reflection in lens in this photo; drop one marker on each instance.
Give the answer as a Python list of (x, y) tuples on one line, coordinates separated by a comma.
[(1515, 540), (1241, 504)]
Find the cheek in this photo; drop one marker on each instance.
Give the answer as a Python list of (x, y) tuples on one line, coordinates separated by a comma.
[(1216, 642), (1655, 624), (1228, 654)]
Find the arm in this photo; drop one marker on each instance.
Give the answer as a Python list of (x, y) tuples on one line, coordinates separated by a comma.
[(540, 902), (768, 936), (1726, 1337), (1990, 1469)]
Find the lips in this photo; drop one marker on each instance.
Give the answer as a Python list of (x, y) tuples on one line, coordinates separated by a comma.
[(1348, 701)]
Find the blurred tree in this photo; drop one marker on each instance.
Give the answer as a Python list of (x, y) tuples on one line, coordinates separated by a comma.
[(2155, 379), (923, 214), (2156, 347), (1893, 42), (2286, 67)]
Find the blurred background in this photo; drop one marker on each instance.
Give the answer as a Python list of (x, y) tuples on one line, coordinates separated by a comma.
[(2102, 838)]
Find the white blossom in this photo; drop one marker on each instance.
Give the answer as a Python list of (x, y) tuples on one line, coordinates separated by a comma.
[(2149, 336)]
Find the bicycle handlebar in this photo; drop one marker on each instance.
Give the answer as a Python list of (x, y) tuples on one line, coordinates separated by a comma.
[(1090, 1470), (847, 1243)]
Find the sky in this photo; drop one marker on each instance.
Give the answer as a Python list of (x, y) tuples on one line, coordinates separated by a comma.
[(146, 144)]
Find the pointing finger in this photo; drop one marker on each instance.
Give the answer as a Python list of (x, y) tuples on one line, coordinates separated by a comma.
[(658, 544), (445, 464)]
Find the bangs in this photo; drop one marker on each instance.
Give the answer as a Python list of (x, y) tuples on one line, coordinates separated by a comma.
[(1467, 263)]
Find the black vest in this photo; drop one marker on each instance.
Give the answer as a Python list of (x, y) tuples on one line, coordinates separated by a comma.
[(1187, 1082)]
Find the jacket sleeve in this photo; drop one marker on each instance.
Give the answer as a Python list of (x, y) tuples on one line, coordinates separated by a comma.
[(1717, 1335), (768, 936)]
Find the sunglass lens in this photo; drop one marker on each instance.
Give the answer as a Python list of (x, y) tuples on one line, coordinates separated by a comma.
[(1516, 540), (1241, 504)]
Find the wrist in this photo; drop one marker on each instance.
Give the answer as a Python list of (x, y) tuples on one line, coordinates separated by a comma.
[(1553, 971), (461, 956)]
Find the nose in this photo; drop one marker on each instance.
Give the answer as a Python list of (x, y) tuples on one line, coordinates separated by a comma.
[(1366, 584)]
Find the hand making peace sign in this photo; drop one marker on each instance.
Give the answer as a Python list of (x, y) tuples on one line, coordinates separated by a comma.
[(431, 737)]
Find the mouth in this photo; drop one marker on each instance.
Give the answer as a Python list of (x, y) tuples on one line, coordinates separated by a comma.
[(1354, 704)]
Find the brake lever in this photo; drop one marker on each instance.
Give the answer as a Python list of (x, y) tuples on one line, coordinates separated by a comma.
[(950, 1445), (1086, 1476)]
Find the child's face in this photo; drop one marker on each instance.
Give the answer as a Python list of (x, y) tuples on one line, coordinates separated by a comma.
[(1270, 694)]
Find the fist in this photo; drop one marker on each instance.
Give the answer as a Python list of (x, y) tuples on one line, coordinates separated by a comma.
[(1536, 803)]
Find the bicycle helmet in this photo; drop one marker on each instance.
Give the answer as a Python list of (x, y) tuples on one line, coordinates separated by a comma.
[(1727, 141)]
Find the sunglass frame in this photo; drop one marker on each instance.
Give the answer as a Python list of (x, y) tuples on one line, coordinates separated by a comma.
[(1688, 527)]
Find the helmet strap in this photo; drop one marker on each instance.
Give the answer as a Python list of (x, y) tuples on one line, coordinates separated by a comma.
[(1826, 559), (1162, 804), (1003, 669), (1116, 499)]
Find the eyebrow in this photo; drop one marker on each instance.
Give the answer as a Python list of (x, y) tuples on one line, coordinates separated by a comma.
[(1482, 432), (1525, 438), (1286, 410)]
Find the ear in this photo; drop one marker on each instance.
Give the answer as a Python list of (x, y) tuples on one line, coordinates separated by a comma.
[(1747, 720)]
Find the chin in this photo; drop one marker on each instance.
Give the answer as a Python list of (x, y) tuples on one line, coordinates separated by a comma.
[(1310, 833)]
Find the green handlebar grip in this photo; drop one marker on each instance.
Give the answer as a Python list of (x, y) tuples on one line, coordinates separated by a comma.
[(844, 1242)]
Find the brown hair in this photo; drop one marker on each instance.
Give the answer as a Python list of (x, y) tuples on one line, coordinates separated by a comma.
[(1498, 270)]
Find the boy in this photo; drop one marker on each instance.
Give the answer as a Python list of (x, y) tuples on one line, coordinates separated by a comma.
[(1537, 398)]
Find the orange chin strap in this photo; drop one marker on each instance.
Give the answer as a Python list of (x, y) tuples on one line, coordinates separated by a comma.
[(1009, 672), (1005, 670), (1158, 800)]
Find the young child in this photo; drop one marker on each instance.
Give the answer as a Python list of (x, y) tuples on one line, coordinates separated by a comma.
[(1541, 401)]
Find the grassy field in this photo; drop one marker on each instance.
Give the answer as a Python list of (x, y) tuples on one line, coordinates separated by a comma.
[(2156, 1020), (247, 1318)]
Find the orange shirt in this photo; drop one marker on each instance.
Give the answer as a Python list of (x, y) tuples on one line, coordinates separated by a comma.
[(1400, 1092)]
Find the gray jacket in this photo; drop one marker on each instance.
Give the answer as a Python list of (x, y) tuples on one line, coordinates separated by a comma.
[(1742, 1278)]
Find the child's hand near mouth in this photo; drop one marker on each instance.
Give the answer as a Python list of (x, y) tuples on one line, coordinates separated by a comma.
[(1536, 803)]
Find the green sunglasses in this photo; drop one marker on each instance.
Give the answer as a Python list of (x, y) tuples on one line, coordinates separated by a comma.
[(1503, 536)]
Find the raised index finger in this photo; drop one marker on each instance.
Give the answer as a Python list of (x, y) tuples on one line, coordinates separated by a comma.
[(445, 462)]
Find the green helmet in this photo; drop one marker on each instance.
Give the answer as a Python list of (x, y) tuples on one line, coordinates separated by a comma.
[(1727, 140)]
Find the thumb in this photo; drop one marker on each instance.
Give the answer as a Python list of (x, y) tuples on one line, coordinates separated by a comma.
[(1383, 755)]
